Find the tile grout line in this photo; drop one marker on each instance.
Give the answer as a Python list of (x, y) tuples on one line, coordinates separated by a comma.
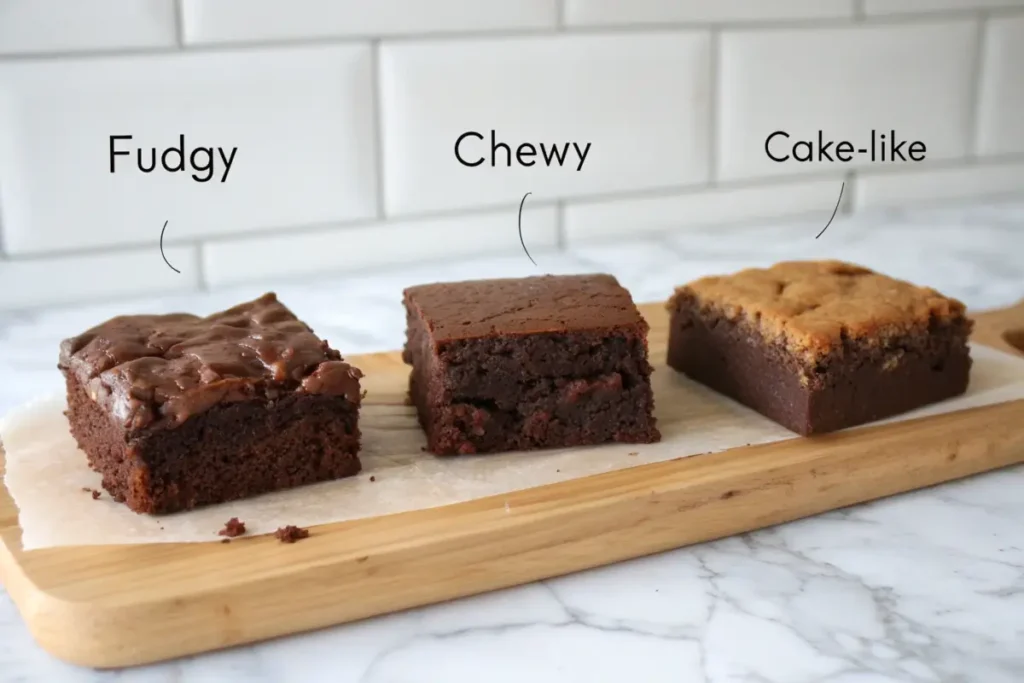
[(964, 162), (201, 280), (714, 104), (392, 266), (849, 205), (620, 29), (974, 116), (560, 236), (471, 211), (378, 126), (3, 251), (179, 23)]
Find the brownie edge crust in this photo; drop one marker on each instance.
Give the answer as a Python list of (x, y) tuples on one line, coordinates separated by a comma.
[(177, 411), (820, 346)]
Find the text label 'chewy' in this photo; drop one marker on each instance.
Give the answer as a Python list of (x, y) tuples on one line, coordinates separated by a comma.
[(470, 152)]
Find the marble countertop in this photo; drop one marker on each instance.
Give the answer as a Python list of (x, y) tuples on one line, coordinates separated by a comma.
[(927, 586)]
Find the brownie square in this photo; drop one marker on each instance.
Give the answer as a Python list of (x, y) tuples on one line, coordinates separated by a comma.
[(177, 411), (520, 364), (820, 346)]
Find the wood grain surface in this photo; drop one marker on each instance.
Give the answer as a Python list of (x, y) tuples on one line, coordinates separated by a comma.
[(114, 606)]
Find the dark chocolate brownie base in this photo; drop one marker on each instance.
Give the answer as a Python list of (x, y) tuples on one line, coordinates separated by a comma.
[(228, 452), (854, 386), (566, 412)]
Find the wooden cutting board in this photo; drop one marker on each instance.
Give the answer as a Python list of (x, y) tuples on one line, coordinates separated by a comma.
[(115, 606)]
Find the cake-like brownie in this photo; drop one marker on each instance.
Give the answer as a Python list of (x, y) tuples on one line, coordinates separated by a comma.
[(820, 346), (177, 411), (519, 364)]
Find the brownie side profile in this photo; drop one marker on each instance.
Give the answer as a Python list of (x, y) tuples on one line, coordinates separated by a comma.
[(177, 411), (820, 346), (529, 363)]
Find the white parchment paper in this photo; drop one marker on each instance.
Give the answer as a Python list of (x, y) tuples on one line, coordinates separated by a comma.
[(46, 473)]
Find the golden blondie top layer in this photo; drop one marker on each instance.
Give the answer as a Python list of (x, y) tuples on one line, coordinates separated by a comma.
[(813, 306)]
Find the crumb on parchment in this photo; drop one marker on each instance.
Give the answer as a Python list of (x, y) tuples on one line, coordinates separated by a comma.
[(232, 528), (291, 534)]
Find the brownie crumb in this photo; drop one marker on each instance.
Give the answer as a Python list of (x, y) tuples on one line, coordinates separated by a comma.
[(95, 494), (232, 528), (632, 453), (290, 534), (373, 478), (225, 540)]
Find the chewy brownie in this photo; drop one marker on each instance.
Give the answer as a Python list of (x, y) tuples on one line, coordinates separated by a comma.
[(177, 411), (518, 364), (820, 346)]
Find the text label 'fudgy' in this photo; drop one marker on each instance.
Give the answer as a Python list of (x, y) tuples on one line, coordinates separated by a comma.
[(202, 161)]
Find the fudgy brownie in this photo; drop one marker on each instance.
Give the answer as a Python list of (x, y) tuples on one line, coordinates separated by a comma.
[(519, 364), (820, 346), (177, 411)]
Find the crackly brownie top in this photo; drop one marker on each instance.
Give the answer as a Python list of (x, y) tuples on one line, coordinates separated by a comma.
[(149, 368), (521, 306), (814, 305)]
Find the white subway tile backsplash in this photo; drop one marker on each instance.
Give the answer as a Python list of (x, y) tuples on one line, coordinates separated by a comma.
[(619, 218), (74, 278), (344, 116), (847, 81), (241, 20), (898, 188), (609, 12), (1001, 108), (28, 26), (378, 244), (913, 6), (301, 120), (640, 101)]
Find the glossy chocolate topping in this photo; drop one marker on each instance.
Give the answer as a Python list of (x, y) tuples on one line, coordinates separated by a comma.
[(147, 369)]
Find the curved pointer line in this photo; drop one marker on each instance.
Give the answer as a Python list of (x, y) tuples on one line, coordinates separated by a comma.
[(833, 211), (162, 250), (521, 228)]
